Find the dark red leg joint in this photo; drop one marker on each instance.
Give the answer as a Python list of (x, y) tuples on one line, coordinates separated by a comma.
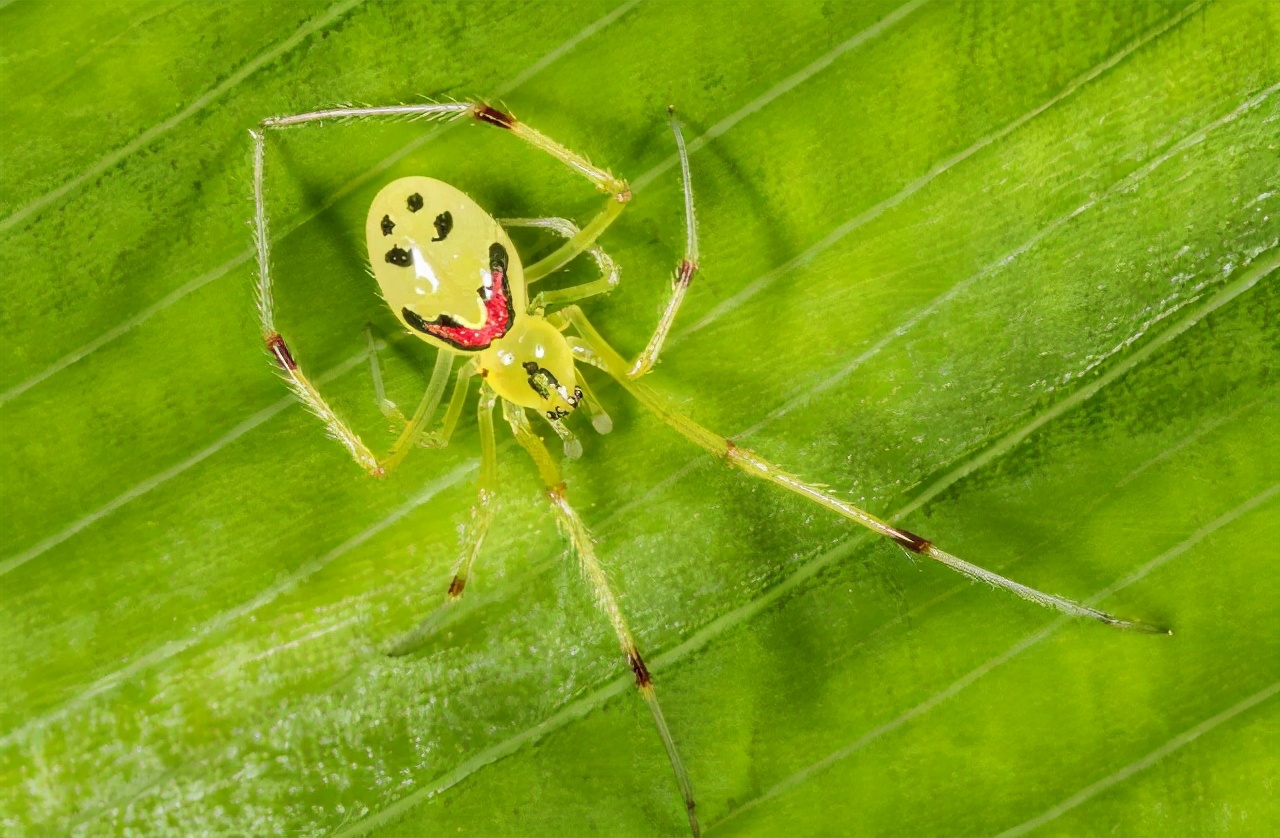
[(685, 274), (639, 669), (493, 116), (276, 346), (911, 541)]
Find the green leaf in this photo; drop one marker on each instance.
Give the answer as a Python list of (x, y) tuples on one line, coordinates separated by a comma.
[(1005, 271)]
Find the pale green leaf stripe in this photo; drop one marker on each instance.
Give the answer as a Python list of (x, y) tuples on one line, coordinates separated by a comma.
[(1146, 762), (781, 88), (335, 11), (215, 624), (141, 488), (1123, 185), (1255, 274)]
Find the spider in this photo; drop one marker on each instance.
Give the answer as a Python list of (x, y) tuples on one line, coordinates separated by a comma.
[(453, 279)]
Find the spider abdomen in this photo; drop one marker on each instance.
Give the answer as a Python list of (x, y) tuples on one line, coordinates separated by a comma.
[(446, 267)]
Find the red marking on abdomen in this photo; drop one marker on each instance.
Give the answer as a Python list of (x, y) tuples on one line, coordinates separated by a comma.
[(497, 320)]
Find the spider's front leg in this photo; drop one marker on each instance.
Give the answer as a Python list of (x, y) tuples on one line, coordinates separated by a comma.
[(683, 276), (616, 188), (684, 272), (303, 387)]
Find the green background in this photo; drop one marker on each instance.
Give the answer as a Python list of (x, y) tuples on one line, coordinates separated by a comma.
[(1007, 270)]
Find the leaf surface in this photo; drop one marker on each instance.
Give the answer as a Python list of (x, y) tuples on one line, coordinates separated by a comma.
[(1005, 271)]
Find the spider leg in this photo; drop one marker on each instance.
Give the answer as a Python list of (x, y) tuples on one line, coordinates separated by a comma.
[(580, 539), (599, 418), (616, 188), (457, 401), (572, 445), (609, 273), (583, 352), (595, 350), (387, 406), (298, 381), (684, 272), (477, 529)]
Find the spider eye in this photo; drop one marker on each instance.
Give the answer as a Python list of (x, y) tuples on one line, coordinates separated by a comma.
[(387, 225), (399, 256), (443, 224), (414, 202)]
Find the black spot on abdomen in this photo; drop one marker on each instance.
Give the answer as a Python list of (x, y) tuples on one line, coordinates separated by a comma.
[(443, 224), (498, 258), (387, 225), (415, 202), (415, 320), (399, 256)]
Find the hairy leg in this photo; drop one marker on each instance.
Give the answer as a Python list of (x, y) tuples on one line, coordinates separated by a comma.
[(298, 381), (616, 188), (580, 538), (477, 529), (595, 350), (684, 272), (609, 273)]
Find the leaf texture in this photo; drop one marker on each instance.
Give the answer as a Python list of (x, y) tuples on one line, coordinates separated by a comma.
[(1008, 272)]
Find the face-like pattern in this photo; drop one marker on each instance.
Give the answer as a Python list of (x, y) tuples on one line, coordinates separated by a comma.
[(445, 266), (452, 276)]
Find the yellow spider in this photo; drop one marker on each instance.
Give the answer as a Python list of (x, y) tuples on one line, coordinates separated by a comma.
[(451, 275)]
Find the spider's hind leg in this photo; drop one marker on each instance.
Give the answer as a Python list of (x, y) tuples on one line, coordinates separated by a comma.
[(616, 188), (476, 530), (584, 547), (387, 406)]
